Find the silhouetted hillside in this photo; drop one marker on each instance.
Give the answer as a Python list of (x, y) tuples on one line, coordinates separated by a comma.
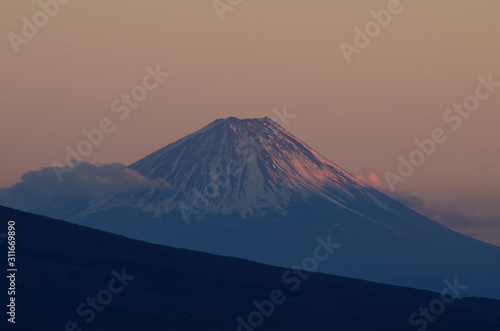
[(61, 264)]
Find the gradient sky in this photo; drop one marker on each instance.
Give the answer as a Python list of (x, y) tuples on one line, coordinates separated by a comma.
[(264, 55)]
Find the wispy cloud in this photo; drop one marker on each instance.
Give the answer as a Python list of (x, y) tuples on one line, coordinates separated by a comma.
[(458, 216)]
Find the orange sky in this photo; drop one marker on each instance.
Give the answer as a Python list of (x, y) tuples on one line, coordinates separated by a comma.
[(265, 54)]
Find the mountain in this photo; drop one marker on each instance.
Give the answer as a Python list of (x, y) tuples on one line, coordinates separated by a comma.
[(250, 189), (250, 168), (62, 265)]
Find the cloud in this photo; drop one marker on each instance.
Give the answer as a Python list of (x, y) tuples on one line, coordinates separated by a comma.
[(86, 181), (458, 216), (372, 179)]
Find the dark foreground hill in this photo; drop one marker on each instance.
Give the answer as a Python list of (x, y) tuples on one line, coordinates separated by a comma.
[(62, 267)]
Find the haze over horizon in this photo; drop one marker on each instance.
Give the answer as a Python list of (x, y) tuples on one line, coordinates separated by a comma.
[(261, 59)]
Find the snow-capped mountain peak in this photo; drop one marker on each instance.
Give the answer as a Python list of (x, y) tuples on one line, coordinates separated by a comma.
[(249, 167)]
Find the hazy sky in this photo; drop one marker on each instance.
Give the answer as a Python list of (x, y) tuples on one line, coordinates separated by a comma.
[(263, 55)]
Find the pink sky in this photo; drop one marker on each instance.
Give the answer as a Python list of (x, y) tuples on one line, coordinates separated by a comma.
[(264, 55)]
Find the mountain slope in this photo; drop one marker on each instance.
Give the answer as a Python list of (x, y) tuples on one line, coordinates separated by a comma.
[(252, 167), (250, 189), (176, 289)]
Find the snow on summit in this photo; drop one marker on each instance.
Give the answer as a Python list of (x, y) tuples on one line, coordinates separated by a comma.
[(246, 166)]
